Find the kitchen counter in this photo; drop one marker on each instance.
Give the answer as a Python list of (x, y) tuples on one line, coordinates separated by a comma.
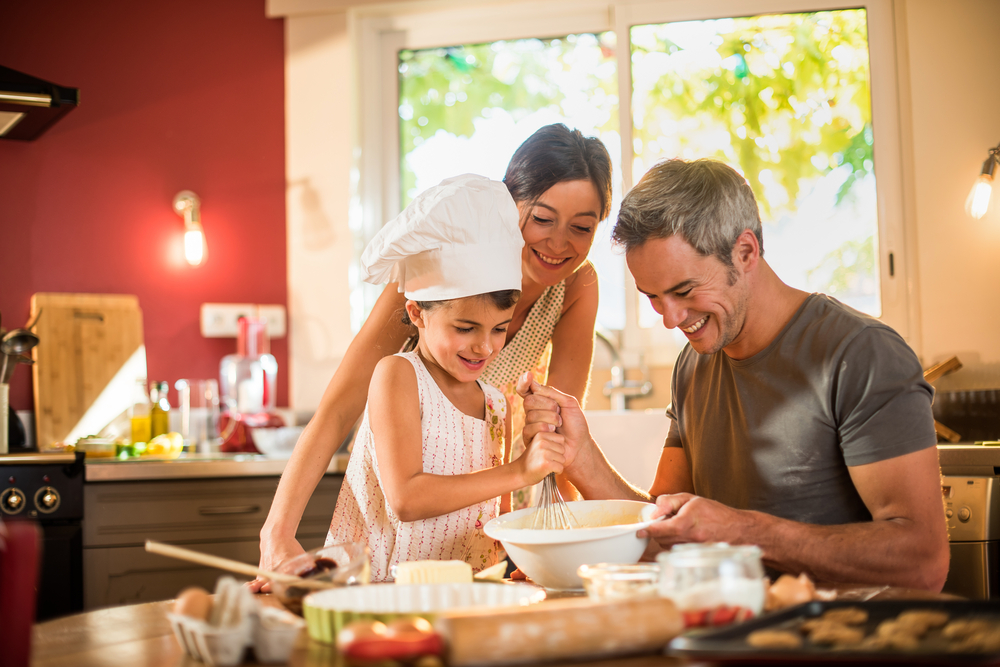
[(191, 466), (140, 634)]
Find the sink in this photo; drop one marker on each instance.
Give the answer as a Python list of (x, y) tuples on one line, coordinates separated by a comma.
[(631, 441)]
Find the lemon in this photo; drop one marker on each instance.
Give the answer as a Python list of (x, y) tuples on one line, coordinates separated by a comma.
[(168, 445)]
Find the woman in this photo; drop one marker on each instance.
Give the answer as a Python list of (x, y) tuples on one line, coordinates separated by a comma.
[(561, 182)]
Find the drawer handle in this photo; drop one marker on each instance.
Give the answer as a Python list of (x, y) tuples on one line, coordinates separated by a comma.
[(240, 509)]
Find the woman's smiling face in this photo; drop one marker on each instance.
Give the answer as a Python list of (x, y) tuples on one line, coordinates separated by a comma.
[(558, 231)]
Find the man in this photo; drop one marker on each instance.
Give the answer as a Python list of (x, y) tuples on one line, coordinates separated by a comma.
[(797, 423)]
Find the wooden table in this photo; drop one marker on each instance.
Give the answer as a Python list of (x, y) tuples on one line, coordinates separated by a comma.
[(140, 636)]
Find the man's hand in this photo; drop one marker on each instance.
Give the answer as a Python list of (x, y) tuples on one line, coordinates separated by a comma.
[(691, 518), (548, 410)]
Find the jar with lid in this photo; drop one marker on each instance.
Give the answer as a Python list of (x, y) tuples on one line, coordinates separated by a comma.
[(714, 583)]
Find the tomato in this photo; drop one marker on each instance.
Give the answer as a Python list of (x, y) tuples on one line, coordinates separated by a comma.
[(358, 631), (721, 615), (409, 626)]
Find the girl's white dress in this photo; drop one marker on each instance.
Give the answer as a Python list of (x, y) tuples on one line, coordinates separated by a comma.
[(453, 444)]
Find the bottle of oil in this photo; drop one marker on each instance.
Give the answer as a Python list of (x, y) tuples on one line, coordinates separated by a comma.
[(139, 413), (160, 412)]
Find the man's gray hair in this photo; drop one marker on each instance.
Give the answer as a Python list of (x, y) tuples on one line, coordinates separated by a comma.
[(708, 203)]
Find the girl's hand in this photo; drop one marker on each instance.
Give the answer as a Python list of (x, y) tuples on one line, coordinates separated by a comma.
[(545, 454), (272, 554), (548, 410)]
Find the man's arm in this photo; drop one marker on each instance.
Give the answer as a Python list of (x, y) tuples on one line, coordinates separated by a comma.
[(906, 543), (548, 410)]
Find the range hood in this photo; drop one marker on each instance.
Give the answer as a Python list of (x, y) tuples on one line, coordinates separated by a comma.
[(29, 106)]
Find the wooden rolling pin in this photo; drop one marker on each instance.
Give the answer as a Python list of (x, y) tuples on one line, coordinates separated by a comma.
[(180, 553), (560, 629), (933, 373), (938, 370)]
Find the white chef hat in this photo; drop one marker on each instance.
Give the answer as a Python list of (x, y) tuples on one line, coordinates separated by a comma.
[(456, 239)]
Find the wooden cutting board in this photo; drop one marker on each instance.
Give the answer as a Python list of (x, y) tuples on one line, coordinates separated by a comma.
[(89, 354)]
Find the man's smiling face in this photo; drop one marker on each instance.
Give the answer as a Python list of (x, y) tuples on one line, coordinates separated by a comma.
[(699, 295)]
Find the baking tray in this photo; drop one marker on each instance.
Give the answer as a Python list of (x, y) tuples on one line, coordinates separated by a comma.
[(729, 644)]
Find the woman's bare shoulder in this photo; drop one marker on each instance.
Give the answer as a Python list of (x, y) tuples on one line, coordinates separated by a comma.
[(583, 284)]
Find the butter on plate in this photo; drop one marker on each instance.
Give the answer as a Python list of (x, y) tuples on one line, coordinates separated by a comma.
[(434, 572)]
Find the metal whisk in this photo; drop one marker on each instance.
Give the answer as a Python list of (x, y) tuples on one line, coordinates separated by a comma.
[(552, 513)]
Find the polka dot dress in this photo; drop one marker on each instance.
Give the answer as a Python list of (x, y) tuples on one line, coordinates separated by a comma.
[(529, 350), (453, 443)]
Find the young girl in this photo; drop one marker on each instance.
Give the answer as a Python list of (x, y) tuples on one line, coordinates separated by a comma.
[(425, 494)]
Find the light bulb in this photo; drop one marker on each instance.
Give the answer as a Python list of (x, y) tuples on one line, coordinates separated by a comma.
[(978, 201), (979, 197), (188, 206), (194, 246)]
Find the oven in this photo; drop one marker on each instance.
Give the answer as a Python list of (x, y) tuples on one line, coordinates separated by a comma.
[(48, 489), (970, 486)]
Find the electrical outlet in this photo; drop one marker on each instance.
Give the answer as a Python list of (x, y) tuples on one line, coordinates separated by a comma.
[(221, 320), (275, 319)]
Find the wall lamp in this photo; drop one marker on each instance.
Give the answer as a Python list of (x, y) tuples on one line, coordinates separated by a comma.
[(188, 206), (979, 198)]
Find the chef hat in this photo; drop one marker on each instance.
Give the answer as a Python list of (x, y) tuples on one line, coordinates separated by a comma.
[(456, 239)]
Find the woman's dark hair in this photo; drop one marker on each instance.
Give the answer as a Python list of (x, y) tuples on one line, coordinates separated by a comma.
[(555, 154)]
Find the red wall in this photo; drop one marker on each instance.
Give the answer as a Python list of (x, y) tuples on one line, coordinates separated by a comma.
[(175, 95)]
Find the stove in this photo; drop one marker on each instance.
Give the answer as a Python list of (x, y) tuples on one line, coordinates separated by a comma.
[(48, 489), (970, 485)]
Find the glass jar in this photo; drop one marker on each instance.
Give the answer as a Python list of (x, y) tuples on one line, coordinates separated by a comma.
[(723, 582), (248, 379), (198, 401), (620, 581)]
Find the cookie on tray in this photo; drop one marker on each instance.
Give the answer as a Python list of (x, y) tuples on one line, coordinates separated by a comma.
[(770, 638), (924, 619), (965, 627), (894, 626), (836, 634), (984, 641), (846, 615)]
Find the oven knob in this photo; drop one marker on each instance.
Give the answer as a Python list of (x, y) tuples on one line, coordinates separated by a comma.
[(964, 514), (12, 501), (47, 500), (949, 513)]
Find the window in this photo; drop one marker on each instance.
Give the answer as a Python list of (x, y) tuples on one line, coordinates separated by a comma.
[(467, 108), (782, 93)]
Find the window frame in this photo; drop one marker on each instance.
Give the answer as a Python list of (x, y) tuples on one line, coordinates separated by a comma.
[(381, 33)]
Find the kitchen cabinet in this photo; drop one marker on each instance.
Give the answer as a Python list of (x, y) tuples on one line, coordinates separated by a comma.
[(219, 516)]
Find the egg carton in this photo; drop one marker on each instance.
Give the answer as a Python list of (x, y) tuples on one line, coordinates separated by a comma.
[(237, 622)]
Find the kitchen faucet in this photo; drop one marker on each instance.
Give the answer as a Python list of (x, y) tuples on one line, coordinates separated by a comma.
[(618, 388)]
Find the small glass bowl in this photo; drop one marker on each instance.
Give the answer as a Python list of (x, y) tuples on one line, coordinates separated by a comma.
[(619, 581), (345, 564)]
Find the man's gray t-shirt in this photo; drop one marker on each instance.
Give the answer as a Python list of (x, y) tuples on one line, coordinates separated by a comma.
[(776, 432)]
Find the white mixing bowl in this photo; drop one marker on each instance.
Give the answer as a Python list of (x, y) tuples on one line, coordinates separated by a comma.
[(551, 557)]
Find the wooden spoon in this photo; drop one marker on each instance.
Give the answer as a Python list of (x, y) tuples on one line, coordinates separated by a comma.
[(230, 565)]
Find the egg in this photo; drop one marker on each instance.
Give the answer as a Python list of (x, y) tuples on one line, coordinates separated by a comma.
[(193, 602), (789, 591)]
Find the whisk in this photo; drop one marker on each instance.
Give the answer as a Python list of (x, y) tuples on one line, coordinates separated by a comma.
[(551, 512)]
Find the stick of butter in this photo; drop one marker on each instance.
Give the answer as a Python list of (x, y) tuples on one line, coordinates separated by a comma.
[(433, 572)]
